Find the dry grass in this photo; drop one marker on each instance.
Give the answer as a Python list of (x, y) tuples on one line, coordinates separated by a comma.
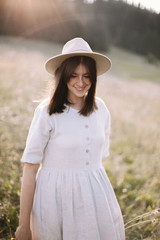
[(133, 165), (135, 111)]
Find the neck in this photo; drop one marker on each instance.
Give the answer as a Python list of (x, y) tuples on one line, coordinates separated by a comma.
[(77, 103)]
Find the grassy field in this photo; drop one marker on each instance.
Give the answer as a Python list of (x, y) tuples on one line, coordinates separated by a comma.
[(131, 90)]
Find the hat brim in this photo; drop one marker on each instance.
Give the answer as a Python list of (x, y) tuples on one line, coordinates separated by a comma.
[(103, 63)]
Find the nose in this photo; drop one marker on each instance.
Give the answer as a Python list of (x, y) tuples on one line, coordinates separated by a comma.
[(80, 81)]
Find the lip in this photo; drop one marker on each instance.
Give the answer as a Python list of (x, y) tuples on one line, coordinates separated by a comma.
[(80, 89)]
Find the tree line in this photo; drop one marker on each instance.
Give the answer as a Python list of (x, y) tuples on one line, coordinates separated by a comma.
[(102, 23)]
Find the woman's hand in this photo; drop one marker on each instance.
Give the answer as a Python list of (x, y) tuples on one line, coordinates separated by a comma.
[(23, 233)]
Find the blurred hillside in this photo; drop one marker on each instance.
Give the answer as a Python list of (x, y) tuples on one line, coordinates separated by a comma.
[(102, 23)]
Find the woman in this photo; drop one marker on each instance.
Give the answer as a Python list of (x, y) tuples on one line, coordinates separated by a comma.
[(65, 191)]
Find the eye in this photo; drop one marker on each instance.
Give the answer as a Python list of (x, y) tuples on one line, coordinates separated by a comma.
[(87, 76), (73, 76)]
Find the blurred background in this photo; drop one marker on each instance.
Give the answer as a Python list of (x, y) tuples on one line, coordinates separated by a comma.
[(102, 23), (128, 33)]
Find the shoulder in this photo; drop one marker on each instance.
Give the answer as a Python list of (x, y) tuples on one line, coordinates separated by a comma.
[(41, 114), (104, 112), (43, 104), (101, 105), (99, 101), (41, 111), (42, 107)]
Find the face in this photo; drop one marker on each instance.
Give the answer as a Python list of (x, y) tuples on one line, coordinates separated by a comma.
[(79, 83)]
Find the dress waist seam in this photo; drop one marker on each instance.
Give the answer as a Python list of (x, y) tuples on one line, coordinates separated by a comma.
[(68, 170)]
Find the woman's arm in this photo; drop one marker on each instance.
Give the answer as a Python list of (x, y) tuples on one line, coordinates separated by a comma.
[(26, 200)]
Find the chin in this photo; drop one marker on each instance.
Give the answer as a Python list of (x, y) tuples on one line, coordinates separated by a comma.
[(80, 95)]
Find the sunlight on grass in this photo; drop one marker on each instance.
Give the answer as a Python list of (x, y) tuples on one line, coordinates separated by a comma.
[(133, 165)]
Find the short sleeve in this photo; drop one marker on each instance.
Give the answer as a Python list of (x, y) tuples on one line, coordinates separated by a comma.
[(106, 120), (38, 136), (106, 150)]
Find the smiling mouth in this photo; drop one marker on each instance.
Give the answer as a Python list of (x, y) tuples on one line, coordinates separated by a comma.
[(80, 89)]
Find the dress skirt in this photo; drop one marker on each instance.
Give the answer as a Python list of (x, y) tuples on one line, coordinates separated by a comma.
[(75, 205)]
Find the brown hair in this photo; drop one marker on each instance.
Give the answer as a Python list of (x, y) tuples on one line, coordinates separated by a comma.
[(62, 75)]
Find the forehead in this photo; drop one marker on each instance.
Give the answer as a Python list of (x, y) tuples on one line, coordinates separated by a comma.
[(81, 68)]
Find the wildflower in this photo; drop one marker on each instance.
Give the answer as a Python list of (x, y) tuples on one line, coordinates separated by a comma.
[(124, 190), (153, 220), (156, 212)]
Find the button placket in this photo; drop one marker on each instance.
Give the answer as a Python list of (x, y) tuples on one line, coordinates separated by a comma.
[(87, 143)]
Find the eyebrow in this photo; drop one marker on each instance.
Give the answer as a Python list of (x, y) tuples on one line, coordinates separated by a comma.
[(87, 73)]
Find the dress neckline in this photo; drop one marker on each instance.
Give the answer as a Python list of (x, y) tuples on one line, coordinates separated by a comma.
[(71, 108), (74, 109)]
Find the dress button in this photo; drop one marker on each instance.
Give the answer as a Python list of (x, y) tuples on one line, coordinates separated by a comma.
[(86, 126), (87, 163), (87, 150)]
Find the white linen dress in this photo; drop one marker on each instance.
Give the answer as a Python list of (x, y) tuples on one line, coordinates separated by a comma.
[(73, 199)]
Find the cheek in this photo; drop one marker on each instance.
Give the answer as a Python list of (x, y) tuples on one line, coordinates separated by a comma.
[(70, 83)]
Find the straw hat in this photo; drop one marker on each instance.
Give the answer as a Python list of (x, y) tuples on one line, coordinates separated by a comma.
[(78, 47)]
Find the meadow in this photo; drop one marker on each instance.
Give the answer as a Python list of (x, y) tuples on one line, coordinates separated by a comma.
[(131, 91)]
